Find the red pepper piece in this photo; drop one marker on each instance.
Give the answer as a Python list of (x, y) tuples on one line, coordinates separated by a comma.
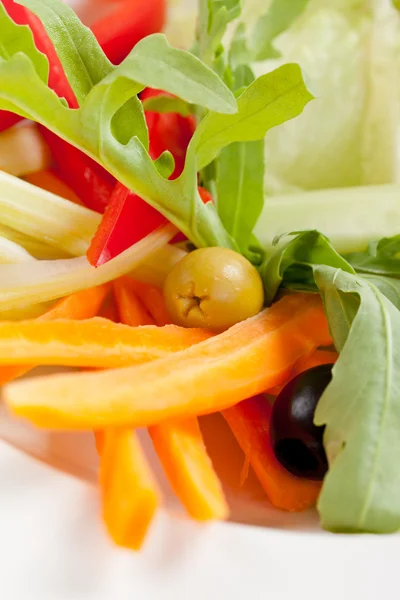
[(90, 182), (169, 131), (127, 220), (129, 22), (57, 78), (8, 119)]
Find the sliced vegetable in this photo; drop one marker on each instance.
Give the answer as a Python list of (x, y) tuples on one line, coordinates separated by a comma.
[(130, 308), (153, 300), (250, 357), (250, 423), (179, 444), (52, 279), (158, 265), (350, 217), (129, 490), (127, 220), (183, 455), (82, 305), (23, 151), (90, 181), (45, 216), (10, 252), (95, 342), (129, 22)]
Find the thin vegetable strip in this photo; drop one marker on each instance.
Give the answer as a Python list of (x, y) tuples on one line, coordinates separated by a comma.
[(179, 444), (81, 305), (251, 357), (130, 493), (250, 422), (95, 342)]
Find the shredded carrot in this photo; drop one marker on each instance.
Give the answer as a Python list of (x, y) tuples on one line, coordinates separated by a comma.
[(130, 309), (95, 342), (109, 308), (129, 491), (82, 305), (179, 444), (319, 357), (48, 180), (251, 357), (250, 423)]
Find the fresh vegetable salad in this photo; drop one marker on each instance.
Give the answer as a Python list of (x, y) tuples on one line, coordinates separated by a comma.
[(207, 222)]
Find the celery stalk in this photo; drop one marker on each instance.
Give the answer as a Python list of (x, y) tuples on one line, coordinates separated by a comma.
[(44, 216), (349, 217)]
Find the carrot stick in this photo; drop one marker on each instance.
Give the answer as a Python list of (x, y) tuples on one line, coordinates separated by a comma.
[(82, 305), (319, 357), (250, 422), (130, 493), (153, 300), (130, 309), (95, 342), (253, 356), (183, 455), (179, 444)]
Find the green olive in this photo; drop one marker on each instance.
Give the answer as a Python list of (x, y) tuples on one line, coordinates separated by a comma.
[(213, 288)]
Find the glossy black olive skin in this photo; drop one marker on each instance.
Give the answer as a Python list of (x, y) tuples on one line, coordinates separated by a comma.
[(297, 442)]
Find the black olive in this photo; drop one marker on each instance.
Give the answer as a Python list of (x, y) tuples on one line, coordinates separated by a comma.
[(297, 442)]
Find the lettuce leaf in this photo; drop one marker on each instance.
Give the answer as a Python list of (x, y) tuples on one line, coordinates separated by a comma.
[(348, 53)]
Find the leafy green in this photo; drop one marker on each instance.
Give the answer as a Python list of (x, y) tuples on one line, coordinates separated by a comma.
[(83, 61), (389, 286), (293, 258), (271, 100), (15, 40), (360, 408), (214, 17), (240, 189), (154, 63), (168, 104), (279, 17)]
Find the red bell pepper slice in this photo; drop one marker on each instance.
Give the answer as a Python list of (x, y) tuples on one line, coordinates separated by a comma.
[(127, 220), (90, 182), (128, 23), (57, 78)]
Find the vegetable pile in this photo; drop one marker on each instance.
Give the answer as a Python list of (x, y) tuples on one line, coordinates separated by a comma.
[(158, 236)]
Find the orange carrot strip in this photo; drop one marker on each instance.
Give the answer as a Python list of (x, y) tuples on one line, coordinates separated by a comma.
[(319, 357), (181, 450), (109, 308), (81, 305), (47, 180), (130, 308), (183, 455), (130, 493), (250, 422), (95, 342), (253, 356), (153, 300)]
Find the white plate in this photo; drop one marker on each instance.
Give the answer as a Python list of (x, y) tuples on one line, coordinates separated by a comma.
[(53, 546)]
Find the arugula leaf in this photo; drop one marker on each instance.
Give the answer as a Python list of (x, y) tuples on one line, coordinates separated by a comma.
[(214, 17), (83, 61), (19, 38), (293, 259), (279, 17), (389, 287), (240, 189), (154, 63), (360, 409), (271, 100), (168, 104), (382, 258)]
